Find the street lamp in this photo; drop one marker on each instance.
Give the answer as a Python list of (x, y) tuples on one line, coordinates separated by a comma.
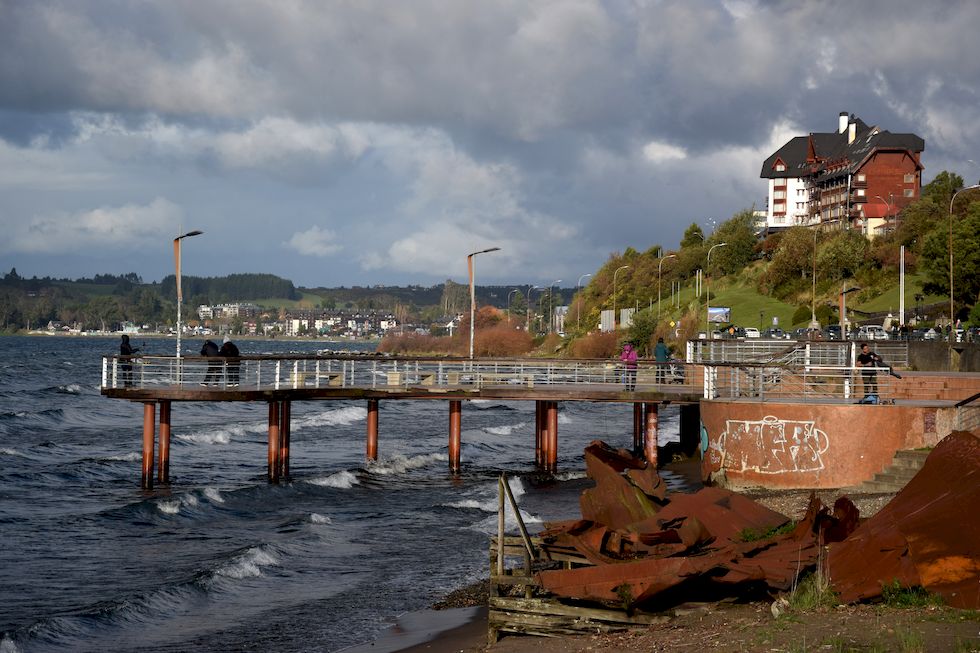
[(179, 294), (707, 293), (618, 270), (813, 280), (551, 304), (659, 269), (469, 265), (951, 199), (508, 302), (578, 304), (527, 326)]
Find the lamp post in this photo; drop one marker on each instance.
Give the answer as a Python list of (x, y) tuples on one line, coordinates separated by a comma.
[(951, 199), (469, 265), (508, 302), (707, 293), (659, 269), (528, 324), (813, 280), (578, 304), (551, 304), (179, 294), (618, 270)]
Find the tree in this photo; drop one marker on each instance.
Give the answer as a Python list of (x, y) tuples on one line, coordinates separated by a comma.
[(966, 258), (693, 236), (739, 233)]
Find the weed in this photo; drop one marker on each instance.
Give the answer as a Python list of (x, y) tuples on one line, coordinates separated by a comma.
[(910, 641), (754, 534), (812, 593), (625, 593), (966, 645), (895, 595)]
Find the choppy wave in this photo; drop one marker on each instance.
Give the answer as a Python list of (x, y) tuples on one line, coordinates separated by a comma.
[(213, 495), (317, 518), (341, 480), (130, 457), (248, 564), (506, 429), (224, 434), (10, 452), (399, 464), (173, 505)]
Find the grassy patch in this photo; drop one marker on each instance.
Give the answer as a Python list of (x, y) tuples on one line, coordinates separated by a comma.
[(812, 593), (895, 595), (755, 534)]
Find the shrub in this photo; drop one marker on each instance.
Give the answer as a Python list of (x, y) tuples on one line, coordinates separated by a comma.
[(596, 345), (501, 341)]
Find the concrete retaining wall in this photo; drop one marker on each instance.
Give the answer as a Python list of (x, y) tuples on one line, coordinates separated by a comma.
[(800, 445)]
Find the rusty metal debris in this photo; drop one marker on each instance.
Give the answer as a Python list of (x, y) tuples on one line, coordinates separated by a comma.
[(636, 541), (928, 535)]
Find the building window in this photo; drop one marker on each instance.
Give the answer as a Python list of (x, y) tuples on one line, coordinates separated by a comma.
[(779, 194), (800, 192), (909, 192), (861, 178), (860, 192), (780, 167), (909, 178)]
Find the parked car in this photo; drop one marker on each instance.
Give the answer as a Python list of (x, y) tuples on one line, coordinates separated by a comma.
[(774, 332), (752, 332), (832, 332), (931, 334), (872, 332)]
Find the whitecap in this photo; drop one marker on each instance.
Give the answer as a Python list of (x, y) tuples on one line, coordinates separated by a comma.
[(317, 518), (130, 457), (474, 504), (7, 646), (399, 464), (10, 452), (248, 564), (213, 495), (342, 480), (71, 388), (215, 437), (507, 429), (489, 525), (570, 476), (335, 417), (564, 419), (172, 506)]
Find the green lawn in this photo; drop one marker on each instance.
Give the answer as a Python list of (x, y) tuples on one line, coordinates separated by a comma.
[(889, 301)]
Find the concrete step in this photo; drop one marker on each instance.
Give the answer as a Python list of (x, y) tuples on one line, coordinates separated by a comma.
[(905, 465)]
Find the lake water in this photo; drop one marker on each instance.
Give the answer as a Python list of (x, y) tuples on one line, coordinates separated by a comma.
[(220, 559)]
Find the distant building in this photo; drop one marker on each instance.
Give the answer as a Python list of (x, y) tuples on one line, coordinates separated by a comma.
[(858, 177)]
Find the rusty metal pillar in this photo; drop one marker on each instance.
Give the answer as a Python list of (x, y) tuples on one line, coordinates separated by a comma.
[(149, 417), (637, 427), (455, 434), (163, 463), (284, 413), (372, 429), (538, 434), (552, 436), (273, 441), (650, 444)]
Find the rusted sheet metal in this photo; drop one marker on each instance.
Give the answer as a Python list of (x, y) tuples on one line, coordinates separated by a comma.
[(928, 535), (723, 513), (617, 501)]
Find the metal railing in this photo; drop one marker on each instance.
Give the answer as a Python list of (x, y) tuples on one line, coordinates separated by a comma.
[(304, 371), (789, 352)]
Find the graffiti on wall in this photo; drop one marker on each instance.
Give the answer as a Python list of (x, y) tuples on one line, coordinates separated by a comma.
[(769, 446)]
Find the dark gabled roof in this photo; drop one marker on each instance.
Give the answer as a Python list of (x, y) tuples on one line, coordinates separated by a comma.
[(832, 148)]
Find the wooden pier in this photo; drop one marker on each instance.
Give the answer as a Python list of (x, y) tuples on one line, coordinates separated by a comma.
[(159, 382)]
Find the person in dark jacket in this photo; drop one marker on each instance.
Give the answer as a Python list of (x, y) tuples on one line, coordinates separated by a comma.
[(662, 355), (126, 364), (230, 351), (210, 350)]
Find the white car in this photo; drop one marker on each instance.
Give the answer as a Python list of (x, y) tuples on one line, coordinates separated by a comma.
[(751, 332), (872, 332)]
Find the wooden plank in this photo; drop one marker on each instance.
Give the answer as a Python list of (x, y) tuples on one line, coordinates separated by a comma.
[(556, 608)]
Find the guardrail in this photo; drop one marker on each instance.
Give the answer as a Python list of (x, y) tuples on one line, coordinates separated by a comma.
[(808, 381), (299, 371), (790, 352)]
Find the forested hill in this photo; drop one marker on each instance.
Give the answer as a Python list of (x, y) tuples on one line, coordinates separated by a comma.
[(234, 287)]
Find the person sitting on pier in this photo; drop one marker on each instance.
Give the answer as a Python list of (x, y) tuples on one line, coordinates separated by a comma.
[(629, 357), (126, 364), (230, 351), (210, 350)]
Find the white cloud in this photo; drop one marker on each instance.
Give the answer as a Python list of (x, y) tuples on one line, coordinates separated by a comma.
[(314, 242), (663, 152), (130, 225)]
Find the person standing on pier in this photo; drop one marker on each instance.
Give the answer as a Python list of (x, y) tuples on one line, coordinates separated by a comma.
[(871, 360), (210, 350), (230, 351), (126, 364), (629, 357), (662, 355)]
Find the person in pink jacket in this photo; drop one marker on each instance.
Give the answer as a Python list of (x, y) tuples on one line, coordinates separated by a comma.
[(629, 357)]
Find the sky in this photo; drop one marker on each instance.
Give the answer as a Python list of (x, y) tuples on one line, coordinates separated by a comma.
[(368, 142)]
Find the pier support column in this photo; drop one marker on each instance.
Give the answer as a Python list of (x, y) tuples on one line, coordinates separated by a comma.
[(538, 434), (285, 410), (638, 423), (455, 434), (273, 441), (372, 429), (163, 464), (552, 437), (149, 419), (650, 439)]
